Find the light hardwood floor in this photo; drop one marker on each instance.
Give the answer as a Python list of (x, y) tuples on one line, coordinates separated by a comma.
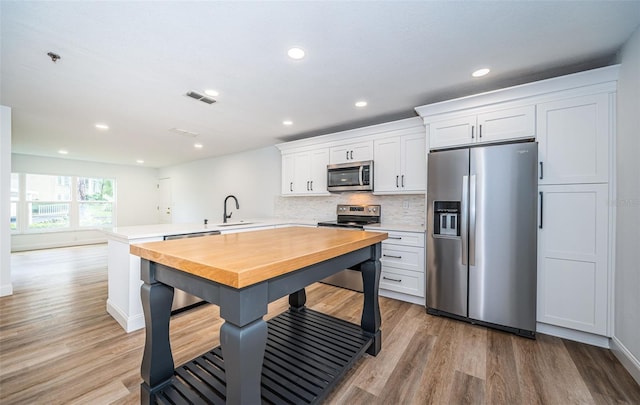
[(59, 346)]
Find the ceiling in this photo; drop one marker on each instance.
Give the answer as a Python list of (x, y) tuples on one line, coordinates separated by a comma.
[(129, 64)]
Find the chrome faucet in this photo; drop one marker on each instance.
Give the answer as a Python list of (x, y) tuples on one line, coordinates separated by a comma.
[(225, 216)]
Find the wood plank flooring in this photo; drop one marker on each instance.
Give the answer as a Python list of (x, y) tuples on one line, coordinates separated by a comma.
[(59, 346)]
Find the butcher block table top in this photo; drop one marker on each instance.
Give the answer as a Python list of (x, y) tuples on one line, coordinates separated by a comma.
[(241, 259)]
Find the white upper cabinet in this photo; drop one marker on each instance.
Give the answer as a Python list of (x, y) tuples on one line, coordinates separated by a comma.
[(400, 164), (573, 137), (353, 152), (482, 127), (305, 173)]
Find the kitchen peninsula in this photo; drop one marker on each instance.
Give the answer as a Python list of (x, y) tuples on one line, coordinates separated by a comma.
[(242, 273)]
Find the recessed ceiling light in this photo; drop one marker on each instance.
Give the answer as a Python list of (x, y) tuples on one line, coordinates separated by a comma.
[(102, 126), (197, 145), (295, 53), (139, 161), (287, 122), (63, 152), (480, 72), (361, 103), (211, 93)]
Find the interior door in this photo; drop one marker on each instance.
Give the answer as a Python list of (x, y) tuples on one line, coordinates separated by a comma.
[(164, 201), (446, 268)]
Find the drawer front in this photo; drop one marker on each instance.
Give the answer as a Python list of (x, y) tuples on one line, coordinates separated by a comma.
[(405, 257), (405, 238), (402, 281)]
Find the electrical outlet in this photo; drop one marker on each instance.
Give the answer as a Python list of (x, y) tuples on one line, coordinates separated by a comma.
[(405, 204)]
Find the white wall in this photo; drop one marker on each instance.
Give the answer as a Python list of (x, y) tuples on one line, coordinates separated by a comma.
[(199, 188), (136, 197), (627, 272), (5, 201)]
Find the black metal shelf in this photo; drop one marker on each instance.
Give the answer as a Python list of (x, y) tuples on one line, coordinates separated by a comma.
[(307, 353)]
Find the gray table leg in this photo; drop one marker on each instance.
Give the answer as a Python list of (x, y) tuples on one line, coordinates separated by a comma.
[(371, 319), (157, 361), (243, 338)]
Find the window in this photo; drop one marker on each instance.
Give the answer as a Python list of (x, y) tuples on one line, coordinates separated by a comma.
[(15, 197), (95, 198), (42, 203), (48, 201)]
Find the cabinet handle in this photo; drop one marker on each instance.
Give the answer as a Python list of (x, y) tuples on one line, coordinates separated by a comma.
[(392, 279), (541, 200), (291, 186), (395, 237), (351, 155), (392, 256), (402, 181), (397, 177), (541, 171), (347, 157), (480, 131), (472, 127), (311, 185)]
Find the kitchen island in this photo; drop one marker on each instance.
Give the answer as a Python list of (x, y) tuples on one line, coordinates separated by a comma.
[(297, 356)]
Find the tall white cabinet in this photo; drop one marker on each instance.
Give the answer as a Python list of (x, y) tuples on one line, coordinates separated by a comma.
[(573, 120), (575, 136)]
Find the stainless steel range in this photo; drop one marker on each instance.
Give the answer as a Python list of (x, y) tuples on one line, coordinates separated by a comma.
[(351, 217)]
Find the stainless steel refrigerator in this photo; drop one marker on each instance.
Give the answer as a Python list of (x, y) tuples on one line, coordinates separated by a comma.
[(481, 235)]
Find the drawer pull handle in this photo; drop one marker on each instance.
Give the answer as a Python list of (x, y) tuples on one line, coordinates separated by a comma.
[(392, 279), (395, 257), (395, 237)]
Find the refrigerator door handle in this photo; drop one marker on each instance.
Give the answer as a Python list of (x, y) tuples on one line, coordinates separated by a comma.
[(464, 216), (472, 220)]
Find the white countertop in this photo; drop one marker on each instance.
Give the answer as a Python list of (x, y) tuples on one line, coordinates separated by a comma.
[(131, 233), (396, 227)]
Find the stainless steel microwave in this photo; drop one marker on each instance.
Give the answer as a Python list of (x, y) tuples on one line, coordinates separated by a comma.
[(352, 176)]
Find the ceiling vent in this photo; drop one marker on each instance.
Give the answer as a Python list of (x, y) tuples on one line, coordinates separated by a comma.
[(200, 97)]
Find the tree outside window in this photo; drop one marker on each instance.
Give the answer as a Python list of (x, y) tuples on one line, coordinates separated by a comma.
[(95, 198)]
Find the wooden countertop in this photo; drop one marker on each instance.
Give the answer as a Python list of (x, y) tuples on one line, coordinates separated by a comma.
[(242, 259)]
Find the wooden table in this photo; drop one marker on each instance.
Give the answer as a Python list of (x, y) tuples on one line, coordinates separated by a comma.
[(283, 360)]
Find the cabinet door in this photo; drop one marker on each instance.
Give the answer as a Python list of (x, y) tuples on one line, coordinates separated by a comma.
[(413, 161), (319, 159), (572, 257), (573, 137), (288, 174), (386, 168), (452, 132), (302, 175), (353, 152), (511, 123)]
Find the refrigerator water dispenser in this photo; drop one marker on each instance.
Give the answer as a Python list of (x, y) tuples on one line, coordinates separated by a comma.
[(446, 219)]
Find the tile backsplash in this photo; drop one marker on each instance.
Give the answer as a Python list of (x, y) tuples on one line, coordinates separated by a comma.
[(396, 209)]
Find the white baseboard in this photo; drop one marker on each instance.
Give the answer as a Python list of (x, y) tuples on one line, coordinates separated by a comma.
[(129, 324), (628, 360), (402, 297), (575, 335), (6, 289)]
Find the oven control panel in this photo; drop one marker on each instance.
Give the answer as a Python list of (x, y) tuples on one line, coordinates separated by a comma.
[(360, 210)]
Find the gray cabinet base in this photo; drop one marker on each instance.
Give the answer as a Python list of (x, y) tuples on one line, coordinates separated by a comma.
[(307, 353)]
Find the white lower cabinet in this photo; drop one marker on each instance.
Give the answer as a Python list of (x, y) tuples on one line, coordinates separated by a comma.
[(403, 266), (572, 257)]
